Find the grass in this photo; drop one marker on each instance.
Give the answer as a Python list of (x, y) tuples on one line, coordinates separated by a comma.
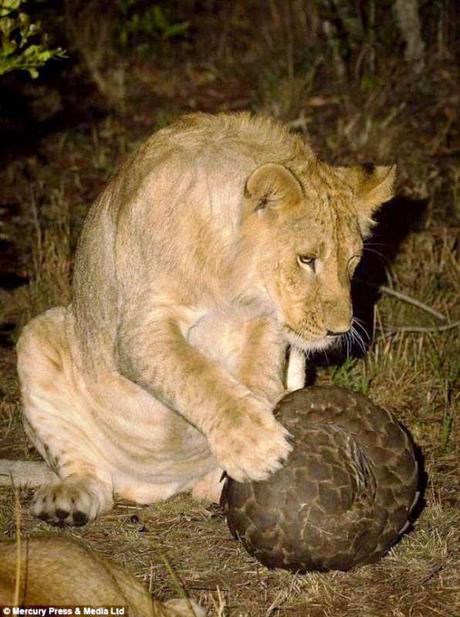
[(415, 374), (351, 374)]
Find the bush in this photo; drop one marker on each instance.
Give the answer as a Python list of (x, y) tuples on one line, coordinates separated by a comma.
[(23, 46), (142, 25)]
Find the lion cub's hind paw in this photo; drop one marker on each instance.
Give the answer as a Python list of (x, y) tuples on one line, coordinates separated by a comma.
[(71, 502)]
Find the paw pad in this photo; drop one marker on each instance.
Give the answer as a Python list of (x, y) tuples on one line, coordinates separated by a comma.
[(71, 502)]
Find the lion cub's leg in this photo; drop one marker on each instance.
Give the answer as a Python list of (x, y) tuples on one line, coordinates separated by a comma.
[(295, 369), (209, 487), (255, 355), (261, 359), (57, 418)]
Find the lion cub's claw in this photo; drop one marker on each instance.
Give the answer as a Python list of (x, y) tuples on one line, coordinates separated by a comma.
[(253, 448), (71, 502)]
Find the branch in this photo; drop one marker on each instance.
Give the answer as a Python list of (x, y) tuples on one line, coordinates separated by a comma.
[(405, 298), (421, 305), (389, 330)]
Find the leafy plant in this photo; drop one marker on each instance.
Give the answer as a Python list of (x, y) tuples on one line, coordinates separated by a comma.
[(152, 23), (352, 374), (23, 46)]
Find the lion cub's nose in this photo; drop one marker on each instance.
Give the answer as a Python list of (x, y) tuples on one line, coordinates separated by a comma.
[(332, 333)]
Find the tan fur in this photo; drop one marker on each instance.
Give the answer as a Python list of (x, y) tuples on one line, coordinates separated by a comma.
[(56, 571), (193, 274)]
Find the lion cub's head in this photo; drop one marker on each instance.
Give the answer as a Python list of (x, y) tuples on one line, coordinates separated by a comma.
[(307, 230)]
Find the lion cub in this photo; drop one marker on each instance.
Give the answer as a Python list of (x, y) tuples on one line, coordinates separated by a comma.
[(57, 571), (220, 243)]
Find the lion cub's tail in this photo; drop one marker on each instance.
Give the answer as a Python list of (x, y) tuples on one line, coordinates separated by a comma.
[(59, 571), (25, 473)]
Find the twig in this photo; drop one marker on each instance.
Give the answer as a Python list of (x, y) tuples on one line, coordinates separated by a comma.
[(431, 574), (17, 512), (299, 123), (38, 256), (421, 305), (405, 298), (175, 579), (220, 610), (389, 330), (177, 583)]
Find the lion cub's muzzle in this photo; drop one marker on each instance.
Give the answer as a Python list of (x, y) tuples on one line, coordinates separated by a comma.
[(335, 334), (338, 318)]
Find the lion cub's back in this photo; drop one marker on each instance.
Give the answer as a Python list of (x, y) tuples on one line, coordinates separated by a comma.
[(260, 137)]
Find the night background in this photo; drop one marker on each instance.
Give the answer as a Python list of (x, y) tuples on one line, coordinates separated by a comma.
[(82, 83)]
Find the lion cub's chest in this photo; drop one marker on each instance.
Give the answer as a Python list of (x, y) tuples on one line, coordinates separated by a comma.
[(221, 335)]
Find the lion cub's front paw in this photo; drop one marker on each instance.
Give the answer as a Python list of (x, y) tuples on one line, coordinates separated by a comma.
[(71, 502), (248, 442)]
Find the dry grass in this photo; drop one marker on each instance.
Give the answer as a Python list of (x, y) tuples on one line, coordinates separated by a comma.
[(414, 374)]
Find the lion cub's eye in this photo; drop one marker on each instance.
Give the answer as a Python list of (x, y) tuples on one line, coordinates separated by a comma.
[(307, 261)]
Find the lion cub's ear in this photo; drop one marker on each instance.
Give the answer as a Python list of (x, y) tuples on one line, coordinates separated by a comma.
[(373, 186), (273, 186)]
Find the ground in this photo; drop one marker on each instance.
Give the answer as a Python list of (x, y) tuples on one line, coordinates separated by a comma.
[(407, 295)]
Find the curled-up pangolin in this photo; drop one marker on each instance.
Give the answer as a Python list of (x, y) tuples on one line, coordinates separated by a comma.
[(345, 495)]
